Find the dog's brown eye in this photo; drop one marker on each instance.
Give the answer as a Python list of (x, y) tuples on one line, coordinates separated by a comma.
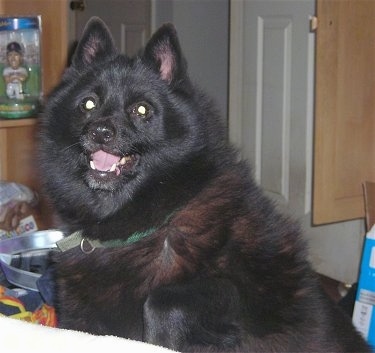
[(141, 110), (88, 104)]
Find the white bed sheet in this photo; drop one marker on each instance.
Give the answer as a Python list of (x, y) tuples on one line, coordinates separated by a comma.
[(21, 336)]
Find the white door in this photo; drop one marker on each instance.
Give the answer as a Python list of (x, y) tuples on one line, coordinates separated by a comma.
[(272, 57), (128, 20), (271, 119)]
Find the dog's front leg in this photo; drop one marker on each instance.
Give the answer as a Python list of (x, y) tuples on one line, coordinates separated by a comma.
[(199, 314)]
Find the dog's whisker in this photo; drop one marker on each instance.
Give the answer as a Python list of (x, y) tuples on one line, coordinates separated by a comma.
[(70, 146)]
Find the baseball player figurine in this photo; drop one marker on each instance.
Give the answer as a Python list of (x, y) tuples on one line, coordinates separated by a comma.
[(14, 74)]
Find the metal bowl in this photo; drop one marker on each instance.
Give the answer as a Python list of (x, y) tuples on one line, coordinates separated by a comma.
[(12, 250)]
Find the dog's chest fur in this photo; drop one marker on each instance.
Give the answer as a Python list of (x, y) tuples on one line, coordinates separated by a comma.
[(191, 241)]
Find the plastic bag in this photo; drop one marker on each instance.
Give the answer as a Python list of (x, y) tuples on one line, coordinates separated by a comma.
[(16, 202)]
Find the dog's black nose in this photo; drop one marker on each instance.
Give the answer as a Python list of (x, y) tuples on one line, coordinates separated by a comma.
[(102, 132)]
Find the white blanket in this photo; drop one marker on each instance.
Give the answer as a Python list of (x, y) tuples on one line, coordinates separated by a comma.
[(20, 336)]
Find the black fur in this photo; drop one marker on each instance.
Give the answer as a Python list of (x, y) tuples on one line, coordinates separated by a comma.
[(222, 270)]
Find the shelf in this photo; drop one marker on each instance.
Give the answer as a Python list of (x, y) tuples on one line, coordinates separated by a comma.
[(5, 123)]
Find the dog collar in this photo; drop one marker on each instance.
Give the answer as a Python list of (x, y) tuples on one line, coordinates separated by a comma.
[(89, 245)]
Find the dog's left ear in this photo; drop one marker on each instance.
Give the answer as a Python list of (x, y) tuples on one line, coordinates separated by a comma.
[(164, 54), (95, 45)]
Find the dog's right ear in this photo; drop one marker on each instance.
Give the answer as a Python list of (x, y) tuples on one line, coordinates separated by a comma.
[(95, 45)]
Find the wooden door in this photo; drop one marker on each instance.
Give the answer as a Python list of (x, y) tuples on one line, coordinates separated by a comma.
[(344, 108)]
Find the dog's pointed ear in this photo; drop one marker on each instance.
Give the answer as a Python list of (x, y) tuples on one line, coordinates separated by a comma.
[(164, 54), (95, 45)]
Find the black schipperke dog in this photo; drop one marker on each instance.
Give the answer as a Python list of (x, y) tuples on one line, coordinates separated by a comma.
[(172, 243)]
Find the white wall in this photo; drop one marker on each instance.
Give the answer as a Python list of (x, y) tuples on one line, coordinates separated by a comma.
[(203, 29)]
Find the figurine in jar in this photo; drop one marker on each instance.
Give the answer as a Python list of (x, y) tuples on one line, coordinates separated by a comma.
[(14, 74)]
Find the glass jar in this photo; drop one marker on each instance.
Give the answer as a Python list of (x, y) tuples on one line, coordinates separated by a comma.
[(20, 66)]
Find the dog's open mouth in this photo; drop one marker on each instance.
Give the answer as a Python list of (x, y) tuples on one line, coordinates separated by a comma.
[(105, 162)]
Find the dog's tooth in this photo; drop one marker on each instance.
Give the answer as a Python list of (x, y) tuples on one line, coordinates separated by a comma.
[(92, 165), (113, 168), (125, 159)]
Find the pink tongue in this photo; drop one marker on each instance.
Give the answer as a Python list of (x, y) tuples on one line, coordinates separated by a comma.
[(103, 161)]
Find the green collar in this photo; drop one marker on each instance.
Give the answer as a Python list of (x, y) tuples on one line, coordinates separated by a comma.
[(88, 246)]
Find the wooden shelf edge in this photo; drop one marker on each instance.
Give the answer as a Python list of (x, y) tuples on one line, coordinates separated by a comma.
[(5, 123)]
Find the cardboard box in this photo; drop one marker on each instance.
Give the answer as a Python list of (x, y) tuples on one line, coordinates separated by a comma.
[(26, 225), (364, 308)]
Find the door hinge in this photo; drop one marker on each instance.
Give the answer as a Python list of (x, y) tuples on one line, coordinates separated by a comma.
[(313, 23), (77, 5)]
